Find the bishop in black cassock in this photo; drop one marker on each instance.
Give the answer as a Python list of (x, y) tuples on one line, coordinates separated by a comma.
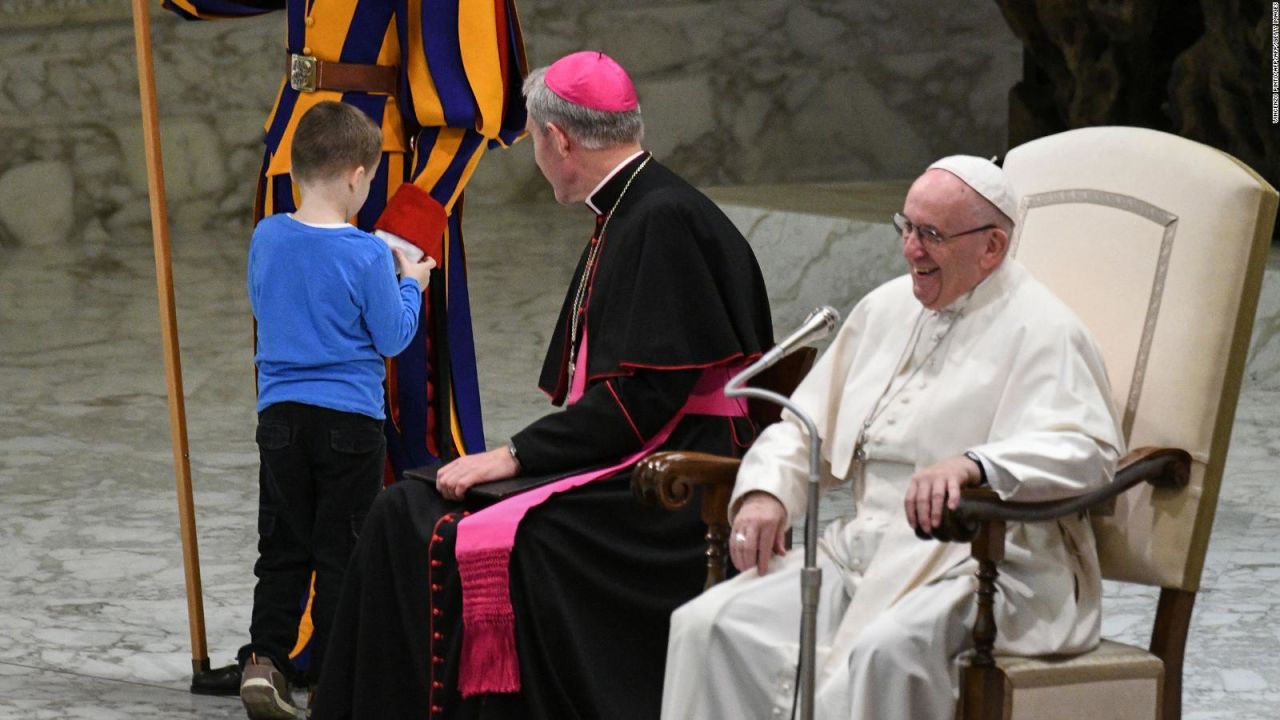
[(666, 295)]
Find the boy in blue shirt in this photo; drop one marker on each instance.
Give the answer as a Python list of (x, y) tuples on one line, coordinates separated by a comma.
[(328, 307)]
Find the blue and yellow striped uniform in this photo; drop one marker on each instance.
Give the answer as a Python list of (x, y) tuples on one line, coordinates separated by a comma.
[(460, 64)]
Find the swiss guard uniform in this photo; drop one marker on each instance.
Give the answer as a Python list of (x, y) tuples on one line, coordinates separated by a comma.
[(443, 79)]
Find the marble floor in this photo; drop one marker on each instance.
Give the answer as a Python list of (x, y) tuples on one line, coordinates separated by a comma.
[(93, 620)]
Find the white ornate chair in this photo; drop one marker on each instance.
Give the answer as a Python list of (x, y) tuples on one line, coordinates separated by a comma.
[(1159, 244)]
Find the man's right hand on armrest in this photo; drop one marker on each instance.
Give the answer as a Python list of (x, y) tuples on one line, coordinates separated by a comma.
[(759, 532)]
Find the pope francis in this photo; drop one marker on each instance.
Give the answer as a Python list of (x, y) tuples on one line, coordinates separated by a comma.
[(964, 371)]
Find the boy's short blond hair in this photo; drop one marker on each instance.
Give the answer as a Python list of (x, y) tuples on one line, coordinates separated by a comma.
[(331, 138)]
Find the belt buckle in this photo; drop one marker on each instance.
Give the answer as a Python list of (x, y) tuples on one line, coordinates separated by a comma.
[(302, 73)]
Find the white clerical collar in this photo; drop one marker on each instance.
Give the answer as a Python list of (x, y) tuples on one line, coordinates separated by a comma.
[(606, 180)]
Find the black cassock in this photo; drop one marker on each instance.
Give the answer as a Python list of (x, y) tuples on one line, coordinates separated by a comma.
[(594, 575)]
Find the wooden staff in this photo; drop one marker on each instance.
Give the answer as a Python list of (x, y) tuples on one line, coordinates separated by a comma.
[(169, 335)]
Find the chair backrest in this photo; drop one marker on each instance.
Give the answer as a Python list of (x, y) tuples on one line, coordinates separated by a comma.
[(1159, 244), (782, 378)]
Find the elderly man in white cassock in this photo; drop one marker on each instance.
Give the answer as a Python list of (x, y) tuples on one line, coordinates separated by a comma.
[(965, 371)]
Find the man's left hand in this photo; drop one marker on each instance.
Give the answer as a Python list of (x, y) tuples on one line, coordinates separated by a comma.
[(454, 479), (937, 486)]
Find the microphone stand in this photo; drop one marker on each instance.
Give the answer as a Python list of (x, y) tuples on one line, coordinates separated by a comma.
[(811, 574)]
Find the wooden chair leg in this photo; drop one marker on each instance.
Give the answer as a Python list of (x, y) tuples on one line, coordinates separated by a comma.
[(715, 499), (1169, 643), (982, 692)]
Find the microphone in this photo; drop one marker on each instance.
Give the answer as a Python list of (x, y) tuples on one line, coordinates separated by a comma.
[(818, 325)]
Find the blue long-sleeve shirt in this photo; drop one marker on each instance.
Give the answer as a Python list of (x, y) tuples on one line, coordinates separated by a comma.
[(328, 307)]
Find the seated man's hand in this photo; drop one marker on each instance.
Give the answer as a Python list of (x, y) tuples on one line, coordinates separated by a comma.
[(758, 532), (936, 487), (454, 479)]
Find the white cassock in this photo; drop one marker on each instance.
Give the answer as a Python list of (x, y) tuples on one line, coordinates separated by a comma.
[(1006, 371)]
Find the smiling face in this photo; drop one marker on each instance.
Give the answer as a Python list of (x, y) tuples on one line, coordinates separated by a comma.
[(942, 273)]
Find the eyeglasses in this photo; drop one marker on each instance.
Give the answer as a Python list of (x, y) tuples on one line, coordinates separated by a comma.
[(930, 234)]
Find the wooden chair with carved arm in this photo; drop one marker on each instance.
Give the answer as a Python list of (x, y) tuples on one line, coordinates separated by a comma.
[(1159, 244), (713, 473)]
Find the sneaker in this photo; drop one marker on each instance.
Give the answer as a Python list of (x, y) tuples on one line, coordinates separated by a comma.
[(265, 691)]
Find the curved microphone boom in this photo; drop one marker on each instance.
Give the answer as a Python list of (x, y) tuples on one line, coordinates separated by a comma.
[(816, 326)]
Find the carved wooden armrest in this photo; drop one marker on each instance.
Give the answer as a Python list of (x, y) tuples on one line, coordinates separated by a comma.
[(1166, 468), (980, 519), (668, 479)]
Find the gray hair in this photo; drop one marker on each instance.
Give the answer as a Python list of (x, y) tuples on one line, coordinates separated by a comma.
[(983, 210), (595, 129)]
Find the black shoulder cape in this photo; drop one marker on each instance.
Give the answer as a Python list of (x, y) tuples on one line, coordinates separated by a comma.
[(675, 286)]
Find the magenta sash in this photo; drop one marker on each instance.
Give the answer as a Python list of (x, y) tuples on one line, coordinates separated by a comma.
[(485, 540)]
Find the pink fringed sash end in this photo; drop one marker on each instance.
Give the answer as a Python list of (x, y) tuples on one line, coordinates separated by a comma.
[(489, 661), (485, 539)]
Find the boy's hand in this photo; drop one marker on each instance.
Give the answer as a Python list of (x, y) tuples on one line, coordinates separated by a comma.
[(419, 271)]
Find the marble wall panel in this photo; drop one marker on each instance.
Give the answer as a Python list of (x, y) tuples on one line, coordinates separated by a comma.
[(69, 106), (812, 260), (734, 93)]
